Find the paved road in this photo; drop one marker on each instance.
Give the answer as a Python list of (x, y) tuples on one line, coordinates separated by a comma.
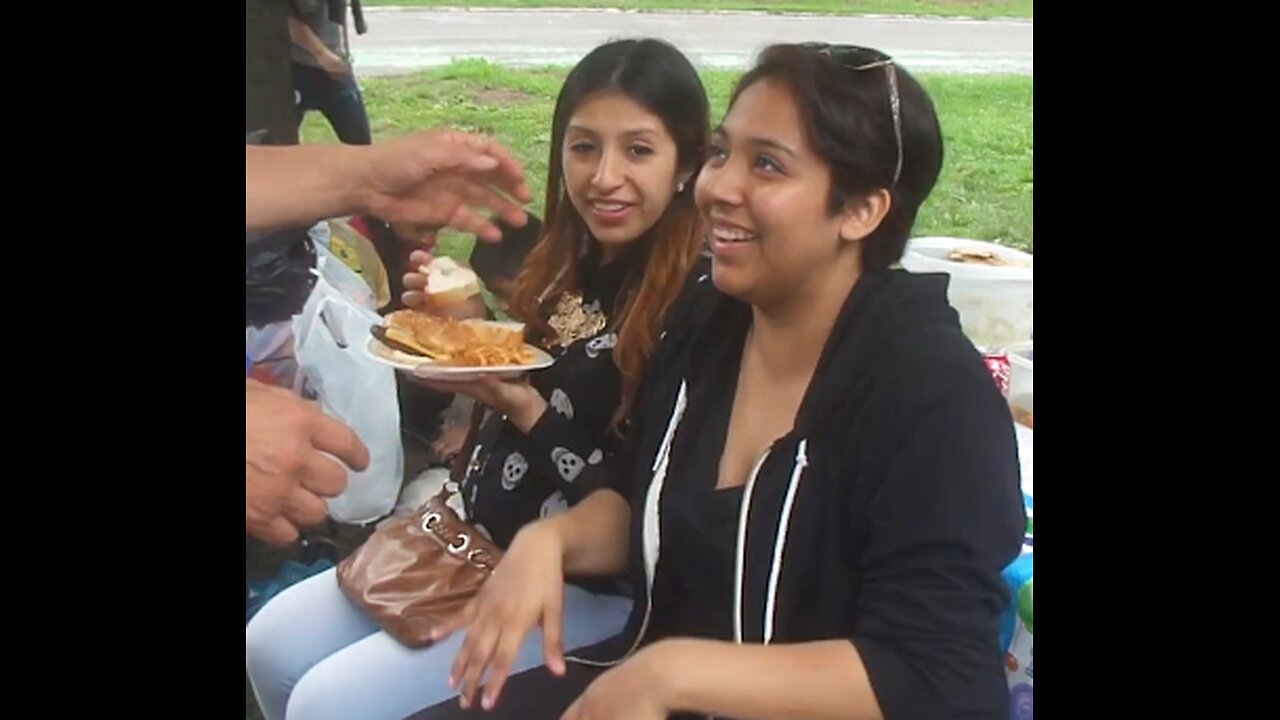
[(402, 40)]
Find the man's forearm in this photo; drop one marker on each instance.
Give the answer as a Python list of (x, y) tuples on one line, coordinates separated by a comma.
[(303, 36), (298, 185)]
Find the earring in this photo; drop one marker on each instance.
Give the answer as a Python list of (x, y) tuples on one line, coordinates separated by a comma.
[(680, 187)]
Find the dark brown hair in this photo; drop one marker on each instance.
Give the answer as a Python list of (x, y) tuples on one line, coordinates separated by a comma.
[(849, 124), (660, 78)]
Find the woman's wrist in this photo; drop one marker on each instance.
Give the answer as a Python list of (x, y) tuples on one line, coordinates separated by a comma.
[(526, 412)]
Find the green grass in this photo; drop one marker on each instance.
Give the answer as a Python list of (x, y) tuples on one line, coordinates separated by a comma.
[(944, 8), (985, 191)]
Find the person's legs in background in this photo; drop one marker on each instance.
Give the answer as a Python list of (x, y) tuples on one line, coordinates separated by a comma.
[(339, 100)]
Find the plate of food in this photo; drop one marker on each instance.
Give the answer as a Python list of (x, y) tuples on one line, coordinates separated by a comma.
[(434, 347)]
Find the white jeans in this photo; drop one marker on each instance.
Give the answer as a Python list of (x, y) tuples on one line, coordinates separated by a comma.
[(313, 655)]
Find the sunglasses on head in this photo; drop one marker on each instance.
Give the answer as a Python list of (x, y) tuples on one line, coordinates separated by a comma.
[(857, 58)]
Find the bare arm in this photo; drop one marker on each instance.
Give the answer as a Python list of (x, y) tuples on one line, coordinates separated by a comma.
[(297, 185), (808, 681), (303, 36), (527, 589), (594, 535), (427, 179)]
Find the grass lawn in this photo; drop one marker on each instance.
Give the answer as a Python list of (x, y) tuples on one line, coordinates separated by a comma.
[(985, 191)]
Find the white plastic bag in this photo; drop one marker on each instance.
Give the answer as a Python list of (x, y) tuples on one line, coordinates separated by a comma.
[(337, 274), (271, 349), (330, 335)]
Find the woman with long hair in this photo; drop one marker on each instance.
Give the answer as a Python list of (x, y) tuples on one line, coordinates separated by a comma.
[(630, 133)]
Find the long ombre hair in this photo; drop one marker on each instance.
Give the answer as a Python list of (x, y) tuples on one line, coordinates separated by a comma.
[(658, 77)]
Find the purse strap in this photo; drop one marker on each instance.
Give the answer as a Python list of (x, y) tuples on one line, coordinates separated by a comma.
[(458, 471)]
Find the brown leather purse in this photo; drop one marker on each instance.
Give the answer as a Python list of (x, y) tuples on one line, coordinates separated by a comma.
[(418, 572)]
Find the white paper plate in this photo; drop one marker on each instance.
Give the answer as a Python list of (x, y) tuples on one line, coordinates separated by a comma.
[(433, 370)]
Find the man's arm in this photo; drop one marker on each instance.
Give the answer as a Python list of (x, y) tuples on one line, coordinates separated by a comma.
[(428, 179), (294, 456), (304, 37), (298, 185)]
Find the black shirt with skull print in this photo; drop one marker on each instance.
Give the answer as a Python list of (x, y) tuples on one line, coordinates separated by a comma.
[(514, 478)]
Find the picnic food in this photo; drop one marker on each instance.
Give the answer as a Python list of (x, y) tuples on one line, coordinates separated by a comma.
[(449, 283), (450, 342), (980, 256)]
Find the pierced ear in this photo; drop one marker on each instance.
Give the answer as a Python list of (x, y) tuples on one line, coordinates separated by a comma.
[(684, 180), (862, 216)]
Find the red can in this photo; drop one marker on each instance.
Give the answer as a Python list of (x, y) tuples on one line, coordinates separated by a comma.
[(998, 366)]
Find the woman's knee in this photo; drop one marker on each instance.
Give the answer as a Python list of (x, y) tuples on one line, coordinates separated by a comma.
[(302, 624), (373, 679), (266, 633), (316, 697), (274, 621)]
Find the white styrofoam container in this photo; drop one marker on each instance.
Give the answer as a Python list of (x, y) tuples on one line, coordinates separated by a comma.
[(994, 303)]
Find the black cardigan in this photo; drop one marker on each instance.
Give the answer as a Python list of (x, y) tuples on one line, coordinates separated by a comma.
[(891, 508)]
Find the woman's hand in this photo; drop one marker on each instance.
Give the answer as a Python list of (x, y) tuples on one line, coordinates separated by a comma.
[(519, 401), (525, 590), (414, 297), (415, 280), (635, 690)]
